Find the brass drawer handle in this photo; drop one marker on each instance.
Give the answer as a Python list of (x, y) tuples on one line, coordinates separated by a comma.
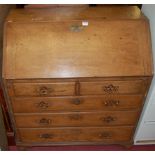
[(75, 117), (76, 101), (46, 136), (110, 89), (42, 105), (45, 121), (106, 135), (108, 119), (44, 90), (111, 103)]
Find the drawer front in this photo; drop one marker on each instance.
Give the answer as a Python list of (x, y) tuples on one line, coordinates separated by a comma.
[(112, 87), (49, 104), (77, 119), (44, 89), (87, 134)]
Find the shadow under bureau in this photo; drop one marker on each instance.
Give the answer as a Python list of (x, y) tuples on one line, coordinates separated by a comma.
[(76, 76)]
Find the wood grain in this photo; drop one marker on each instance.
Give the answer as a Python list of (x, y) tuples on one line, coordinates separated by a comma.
[(76, 75), (78, 103), (3, 135), (91, 87), (61, 135), (112, 87), (44, 89), (64, 52), (59, 119), (75, 13)]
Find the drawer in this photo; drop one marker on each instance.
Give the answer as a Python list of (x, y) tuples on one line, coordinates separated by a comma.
[(77, 119), (87, 134), (49, 104), (112, 87), (44, 89)]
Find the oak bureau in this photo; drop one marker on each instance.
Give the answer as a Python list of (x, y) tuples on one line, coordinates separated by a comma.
[(76, 76)]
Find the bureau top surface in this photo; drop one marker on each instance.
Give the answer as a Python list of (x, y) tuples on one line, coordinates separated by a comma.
[(76, 42), (75, 13)]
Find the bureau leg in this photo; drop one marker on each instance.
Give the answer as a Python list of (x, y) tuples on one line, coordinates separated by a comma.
[(23, 148), (128, 146)]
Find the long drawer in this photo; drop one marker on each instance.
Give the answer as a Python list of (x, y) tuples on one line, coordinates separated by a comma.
[(78, 134), (50, 104), (98, 118)]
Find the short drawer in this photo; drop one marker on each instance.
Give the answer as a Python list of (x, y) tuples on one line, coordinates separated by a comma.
[(44, 89), (77, 119), (78, 134), (49, 104), (112, 87)]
